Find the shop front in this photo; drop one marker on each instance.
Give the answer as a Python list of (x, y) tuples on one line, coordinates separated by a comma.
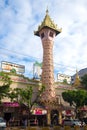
[(11, 112), (14, 114), (39, 115), (68, 114)]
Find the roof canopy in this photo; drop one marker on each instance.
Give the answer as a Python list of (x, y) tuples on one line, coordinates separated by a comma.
[(47, 22)]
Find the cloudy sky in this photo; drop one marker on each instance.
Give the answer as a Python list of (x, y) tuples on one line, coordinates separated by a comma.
[(18, 44)]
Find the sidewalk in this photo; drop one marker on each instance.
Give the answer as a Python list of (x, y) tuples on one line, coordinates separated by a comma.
[(20, 128), (14, 128)]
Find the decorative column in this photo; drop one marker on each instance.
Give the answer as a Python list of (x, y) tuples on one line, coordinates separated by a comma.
[(60, 117), (48, 117), (47, 32)]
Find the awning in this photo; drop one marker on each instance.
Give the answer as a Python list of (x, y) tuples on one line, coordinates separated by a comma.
[(68, 112), (11, 104), (84, 108)]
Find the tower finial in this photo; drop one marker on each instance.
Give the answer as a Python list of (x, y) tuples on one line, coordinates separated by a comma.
[(47, 10)]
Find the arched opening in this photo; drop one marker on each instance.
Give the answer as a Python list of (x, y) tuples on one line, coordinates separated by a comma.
[(54, 117)]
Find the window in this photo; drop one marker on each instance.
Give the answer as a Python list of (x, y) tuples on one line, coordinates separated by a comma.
[(42, 35), (51, 34)]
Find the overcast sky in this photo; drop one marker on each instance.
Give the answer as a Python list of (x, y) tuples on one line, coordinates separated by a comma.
[(18, 44)]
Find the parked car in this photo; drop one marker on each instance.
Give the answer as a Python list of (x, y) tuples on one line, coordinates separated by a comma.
[(2, 122), (81, 122), (71, 122)]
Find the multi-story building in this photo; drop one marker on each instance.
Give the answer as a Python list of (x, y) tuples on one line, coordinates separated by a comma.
[(62, 77)]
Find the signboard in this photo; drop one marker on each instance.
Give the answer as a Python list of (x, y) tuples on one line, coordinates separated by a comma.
[(12, 66), (11, 104), (39, 111), (68, 113)]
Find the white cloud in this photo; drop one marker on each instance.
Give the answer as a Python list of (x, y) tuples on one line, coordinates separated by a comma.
[(19, 19)]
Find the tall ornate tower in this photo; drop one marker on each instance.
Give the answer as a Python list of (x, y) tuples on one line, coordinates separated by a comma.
[(47, 32)]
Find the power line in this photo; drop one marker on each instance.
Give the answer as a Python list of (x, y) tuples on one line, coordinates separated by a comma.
[(34, 58), (17, 53), (72, 68), (65, 66)]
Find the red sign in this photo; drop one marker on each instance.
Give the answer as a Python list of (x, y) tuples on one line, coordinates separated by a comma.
[(68, 112), (39, 111)]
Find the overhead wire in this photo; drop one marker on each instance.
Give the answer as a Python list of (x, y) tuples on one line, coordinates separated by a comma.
[(57, 65), (17, 53)]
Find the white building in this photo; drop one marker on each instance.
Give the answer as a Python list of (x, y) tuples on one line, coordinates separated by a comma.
[(37, 70), (62, 77)]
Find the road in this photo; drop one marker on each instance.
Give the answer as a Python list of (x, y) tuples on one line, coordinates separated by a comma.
[(41, 128)]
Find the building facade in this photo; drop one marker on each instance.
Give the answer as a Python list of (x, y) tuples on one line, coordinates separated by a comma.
[(62, 77), (10, 109)]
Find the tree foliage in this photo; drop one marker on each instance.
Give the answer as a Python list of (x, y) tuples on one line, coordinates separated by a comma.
[(25, 95), (6, 80), (65, 81), (5, 85), (76, 98), (14, 94)]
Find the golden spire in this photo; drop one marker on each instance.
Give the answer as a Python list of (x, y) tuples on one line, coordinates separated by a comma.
[(47, 22), (77, 80), (47, 11)]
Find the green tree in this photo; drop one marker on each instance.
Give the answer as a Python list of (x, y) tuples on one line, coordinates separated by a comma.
[(5, 78), (84, 80), (14, 94), (65, 81), (76, 98), (13, 71), (5, 87), (68, 96)]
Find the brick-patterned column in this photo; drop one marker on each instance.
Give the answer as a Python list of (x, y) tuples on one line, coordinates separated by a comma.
[(47, 66)]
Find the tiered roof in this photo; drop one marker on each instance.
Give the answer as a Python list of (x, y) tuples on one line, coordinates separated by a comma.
[(47, 22)]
